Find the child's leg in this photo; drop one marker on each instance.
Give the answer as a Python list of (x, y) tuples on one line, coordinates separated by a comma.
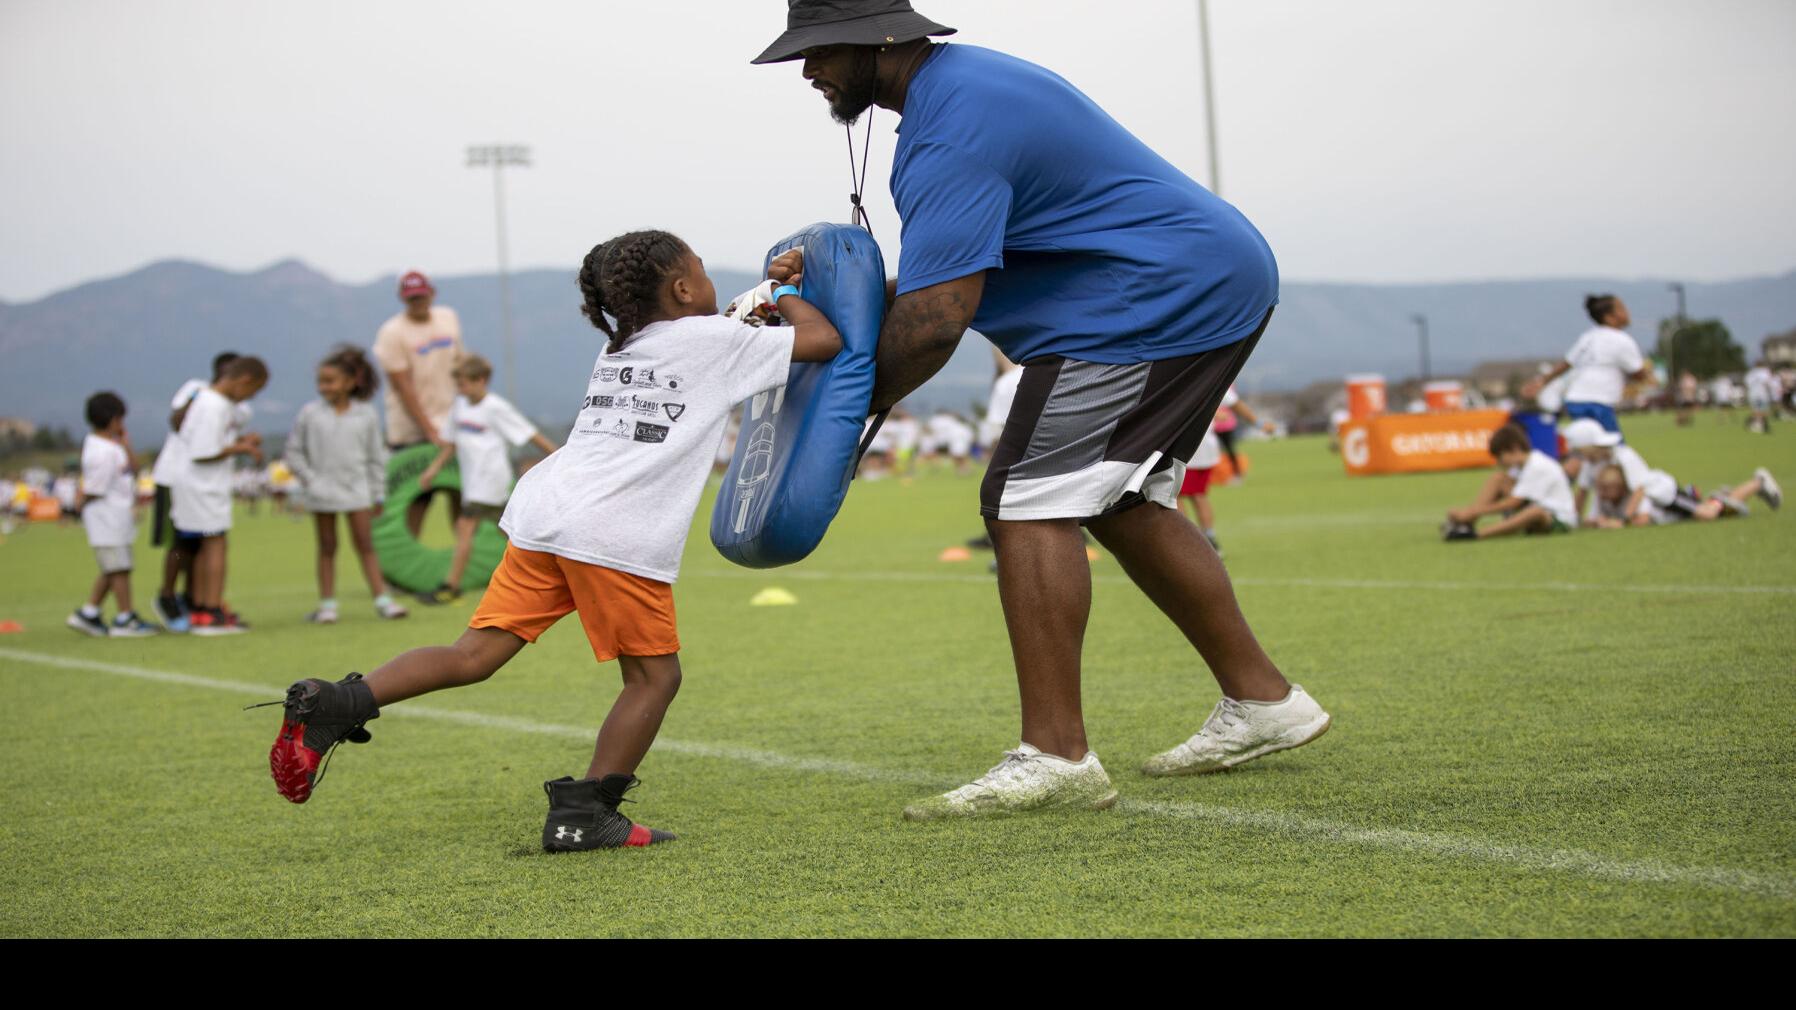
[(207, 581), (98, 595), (1206, 514), (175, 561), (1528, 517), (464, 545), (326, 528), (1747, 488), (190, 559), (472, 659), (650, 683), (361, 535), (120, 583)]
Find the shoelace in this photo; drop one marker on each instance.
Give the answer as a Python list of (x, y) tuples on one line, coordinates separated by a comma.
[(1004, 771), (1228, 714)]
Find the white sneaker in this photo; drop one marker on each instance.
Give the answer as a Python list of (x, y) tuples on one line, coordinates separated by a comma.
[(1768, 489), (390, 610), (1026, 779), (322, 616), (1239, 731)]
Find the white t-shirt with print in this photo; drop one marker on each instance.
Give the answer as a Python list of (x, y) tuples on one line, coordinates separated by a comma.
[(106, 474), (1541, 480), (202, 497), (1601, 360), (1662, 487), (484, 433), (622, 492), (173, 457)]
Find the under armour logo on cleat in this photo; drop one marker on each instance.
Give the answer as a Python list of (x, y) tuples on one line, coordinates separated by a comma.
[(562, 832)]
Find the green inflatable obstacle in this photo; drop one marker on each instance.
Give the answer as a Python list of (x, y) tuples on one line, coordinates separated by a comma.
[(409, 564)]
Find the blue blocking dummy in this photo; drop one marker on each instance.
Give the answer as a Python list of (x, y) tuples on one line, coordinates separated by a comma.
[(799, 444)]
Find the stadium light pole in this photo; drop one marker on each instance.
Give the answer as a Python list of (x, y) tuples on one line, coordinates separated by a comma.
[(1421, 322), (498, 156), (1671, 346), (1203, 40)]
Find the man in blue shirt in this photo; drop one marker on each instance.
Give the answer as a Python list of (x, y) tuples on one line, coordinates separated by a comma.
[(1132, 296)]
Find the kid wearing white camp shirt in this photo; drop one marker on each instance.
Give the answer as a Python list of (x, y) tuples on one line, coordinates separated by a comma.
[(597, 528), (483, 429), (108, 490), (1529, 490), (1601, 362)]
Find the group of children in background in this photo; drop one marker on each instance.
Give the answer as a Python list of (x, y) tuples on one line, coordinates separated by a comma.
[(1603, 483), (336, 455)]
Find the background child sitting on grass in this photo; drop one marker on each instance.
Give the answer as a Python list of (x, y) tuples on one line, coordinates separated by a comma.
[(483, 428), (1529, 490)]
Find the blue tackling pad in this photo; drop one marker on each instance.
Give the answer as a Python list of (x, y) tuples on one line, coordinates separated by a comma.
[(799, 444)]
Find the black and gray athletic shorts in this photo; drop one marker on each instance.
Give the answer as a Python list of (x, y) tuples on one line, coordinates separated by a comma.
[(1085, 440)]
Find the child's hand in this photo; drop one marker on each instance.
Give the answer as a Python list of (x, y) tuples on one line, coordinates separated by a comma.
[(377, 507), (425, 478), (787, 267)]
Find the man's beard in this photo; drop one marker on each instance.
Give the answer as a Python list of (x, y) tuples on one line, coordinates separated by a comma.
[(857, 92)]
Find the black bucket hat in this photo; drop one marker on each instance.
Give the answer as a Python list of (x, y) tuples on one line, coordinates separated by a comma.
[(847, 22)]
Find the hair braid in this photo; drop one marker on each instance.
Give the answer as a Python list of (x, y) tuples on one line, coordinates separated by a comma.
[(622, 279)]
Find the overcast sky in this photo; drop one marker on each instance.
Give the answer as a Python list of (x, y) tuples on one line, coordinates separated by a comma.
[(1373, 140)]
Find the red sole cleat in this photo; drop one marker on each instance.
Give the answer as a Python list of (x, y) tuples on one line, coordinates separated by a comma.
[(292, 763)]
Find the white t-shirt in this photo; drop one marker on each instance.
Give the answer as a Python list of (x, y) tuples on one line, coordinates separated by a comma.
[(1601, 361), (484, 433), (428, 351), (202, 497), (1541, 480), (622, 492), (1633, 468), (1761, 385), (171, 461), (106, 474), (951, 434), (1209, 451)]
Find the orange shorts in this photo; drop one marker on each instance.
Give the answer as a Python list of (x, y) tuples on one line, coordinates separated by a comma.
[(623, 614)]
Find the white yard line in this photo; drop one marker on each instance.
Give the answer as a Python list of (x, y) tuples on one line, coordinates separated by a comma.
[(1529, 858), (815, 575)]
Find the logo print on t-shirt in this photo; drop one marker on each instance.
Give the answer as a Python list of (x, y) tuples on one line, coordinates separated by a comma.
[(624, 375), (644, 377), (605, 374), (674, 410), (646, 432), (674, 382), (621, 429)]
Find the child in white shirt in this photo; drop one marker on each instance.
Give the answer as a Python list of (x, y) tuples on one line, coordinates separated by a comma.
[(1529, 490), (108, 490), (212, 440), (597, 528), (483, 427)]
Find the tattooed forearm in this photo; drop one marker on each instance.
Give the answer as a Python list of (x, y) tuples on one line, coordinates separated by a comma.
[(921, 330)]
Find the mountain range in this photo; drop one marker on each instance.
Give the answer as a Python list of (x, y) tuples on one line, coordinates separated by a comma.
[(141, 334)]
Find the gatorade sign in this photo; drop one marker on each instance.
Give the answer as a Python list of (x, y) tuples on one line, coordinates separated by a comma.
[(1414, 443)]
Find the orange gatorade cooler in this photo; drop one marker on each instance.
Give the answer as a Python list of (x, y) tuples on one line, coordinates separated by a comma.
[(1446, 395), (1365, 396)]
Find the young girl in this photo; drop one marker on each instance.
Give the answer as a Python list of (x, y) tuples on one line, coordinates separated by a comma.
[(336, 453), (597, 528)]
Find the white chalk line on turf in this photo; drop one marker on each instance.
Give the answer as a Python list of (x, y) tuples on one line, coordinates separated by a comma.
[(814, 575), (1427, 843)]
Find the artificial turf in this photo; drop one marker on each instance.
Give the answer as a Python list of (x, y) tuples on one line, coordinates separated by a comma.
[(1577, 735)]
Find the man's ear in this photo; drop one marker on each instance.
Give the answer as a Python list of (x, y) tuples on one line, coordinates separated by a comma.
[(681, 289)]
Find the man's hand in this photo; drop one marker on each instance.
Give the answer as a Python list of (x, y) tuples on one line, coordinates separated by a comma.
[(425, 479), (787, 267), (921, 330)]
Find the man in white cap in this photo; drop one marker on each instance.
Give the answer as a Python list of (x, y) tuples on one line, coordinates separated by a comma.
[(418, 349)]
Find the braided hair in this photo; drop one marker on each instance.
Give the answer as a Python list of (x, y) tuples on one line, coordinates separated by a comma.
[(622, 278), (1598, 307), (349, 360)]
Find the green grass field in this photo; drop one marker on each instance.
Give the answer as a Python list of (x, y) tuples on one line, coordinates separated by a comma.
[(1580, 735)]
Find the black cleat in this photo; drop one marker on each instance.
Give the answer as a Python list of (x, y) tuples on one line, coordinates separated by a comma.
[(318, 716), (583, 815)]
